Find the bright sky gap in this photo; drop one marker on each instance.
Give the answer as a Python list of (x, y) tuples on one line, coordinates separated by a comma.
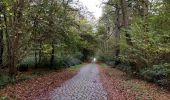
[(93, 6)]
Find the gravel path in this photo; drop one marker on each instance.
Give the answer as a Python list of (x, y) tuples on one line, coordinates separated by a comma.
[(84, 86)]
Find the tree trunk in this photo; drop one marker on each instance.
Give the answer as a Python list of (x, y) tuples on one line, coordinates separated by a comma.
[(12, 64), (35, 58), (145, 6), (117, 35), (7, 39), (35, 24), (125, 15), (15, 36), (52, 54), (40, 53), (10, 52), (1, 44)]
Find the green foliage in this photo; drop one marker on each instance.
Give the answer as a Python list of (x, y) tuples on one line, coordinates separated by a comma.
[(59, 61), (4, 79), (157, 73), (45, 33), (4, 98), (28, 61), (24, 77), (107, 59), (75, 67), (148, 47), (149, 34)]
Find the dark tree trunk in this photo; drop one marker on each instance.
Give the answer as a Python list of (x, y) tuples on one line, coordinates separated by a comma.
[(10, 50), (14, 38), (1, 44), (125, 15), (145, 6), (40, 53), (117, 35), (1, 37), (52, 54), (35, 24), (36, 59), (85, 53), (13, 64), (117, 53)]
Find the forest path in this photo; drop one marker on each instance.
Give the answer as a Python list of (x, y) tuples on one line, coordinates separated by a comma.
[(85, 85)]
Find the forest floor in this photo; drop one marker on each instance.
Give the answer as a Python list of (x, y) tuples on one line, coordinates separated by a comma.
[(121, 86), (85, 82), (39, 85)]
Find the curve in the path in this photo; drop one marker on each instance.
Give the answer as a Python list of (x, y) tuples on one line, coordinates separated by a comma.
[(84, 86)]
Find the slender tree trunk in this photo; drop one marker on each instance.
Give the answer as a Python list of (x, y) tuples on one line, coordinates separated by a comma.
[(15, 35), (52, 54), (52, 44), (7, 38), (10, 48), (1, 36), (10, 51), (13, 64), (145, 6), (35, 24), (35, 58), (40, 53), (125, 15), (1, 44), (117, 35)]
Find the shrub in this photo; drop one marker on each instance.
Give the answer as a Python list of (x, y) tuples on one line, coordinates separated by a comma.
[(4, 79), (28, 61), (4, 98), (107, 59), (72, 61), (59, 62), (157, 73), (23, 77)]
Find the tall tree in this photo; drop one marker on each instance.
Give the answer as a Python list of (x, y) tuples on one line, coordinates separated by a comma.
[(117, 34), (125, 11), (1, 34), (15, 33), (145, 5)]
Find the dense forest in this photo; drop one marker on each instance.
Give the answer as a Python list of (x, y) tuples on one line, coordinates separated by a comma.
[(131, 35), (43, 33), (135, 34)]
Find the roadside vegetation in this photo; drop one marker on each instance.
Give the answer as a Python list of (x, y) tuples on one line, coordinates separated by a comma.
[(121, 86), (135, 37), (41, 83)]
